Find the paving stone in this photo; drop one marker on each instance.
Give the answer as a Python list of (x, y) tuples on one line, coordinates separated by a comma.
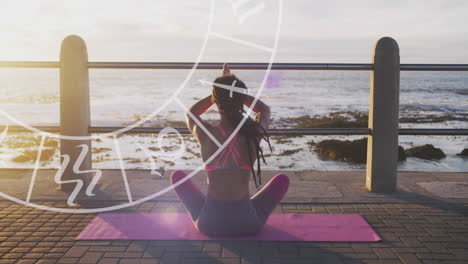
[(123, 254), (385, 253), (209, 246), (138, 246), (7, 261), (199, 261), (434, 256), (20, 250), (360, 256), (107, 248), (46, 261), (76, 252), (5, 249), (53, 255), (33, 255), (43, 249), (153, 252), (388, 236), (27, 261), (8, 244), (120, 243), (437, 247), (109, 260), (44, 244), (461, 254), (68, 260), (91, 257), (58, 250), (409, 258), (170, 258), (411, 241), (361, 248), (93, 243), (138, 261), (457, 245), (12, 255)]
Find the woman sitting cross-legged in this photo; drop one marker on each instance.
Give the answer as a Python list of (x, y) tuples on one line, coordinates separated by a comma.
[(227, 209)]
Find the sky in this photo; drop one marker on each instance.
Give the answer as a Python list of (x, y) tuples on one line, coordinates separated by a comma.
[(427, 31)]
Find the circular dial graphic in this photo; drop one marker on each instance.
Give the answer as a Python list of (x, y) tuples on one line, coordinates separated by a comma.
[(229, 22)]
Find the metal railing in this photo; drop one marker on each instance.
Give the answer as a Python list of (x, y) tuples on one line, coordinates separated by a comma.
[(382, 132), (250, 66), (239, 66), (273, 132)]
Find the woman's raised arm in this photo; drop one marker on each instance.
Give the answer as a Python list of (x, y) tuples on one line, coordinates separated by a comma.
[(262, 110), (196, 111)]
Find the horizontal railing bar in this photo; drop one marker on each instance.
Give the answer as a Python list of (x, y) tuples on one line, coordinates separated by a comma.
[(190, 65), (155, 130), (240, 66), (319, 131), (432, 132), (49, 129), (29, 64), (277, 131), (433, 67)]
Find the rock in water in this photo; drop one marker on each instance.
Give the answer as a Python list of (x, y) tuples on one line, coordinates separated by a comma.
[(463, 153), (428, 152), (352, 151)]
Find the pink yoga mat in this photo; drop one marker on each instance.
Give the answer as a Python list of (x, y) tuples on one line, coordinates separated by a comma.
[(279, 227)]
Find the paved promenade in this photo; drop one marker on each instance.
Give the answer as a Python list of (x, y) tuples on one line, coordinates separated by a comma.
[(425, 221)]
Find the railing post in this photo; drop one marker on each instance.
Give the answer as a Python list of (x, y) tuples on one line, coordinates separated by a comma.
[(382, 144), (74, 106)]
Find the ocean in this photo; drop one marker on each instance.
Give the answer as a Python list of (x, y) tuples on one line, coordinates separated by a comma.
[(122, 97)]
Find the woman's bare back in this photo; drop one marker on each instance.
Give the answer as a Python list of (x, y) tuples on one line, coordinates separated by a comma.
[(231, 183)]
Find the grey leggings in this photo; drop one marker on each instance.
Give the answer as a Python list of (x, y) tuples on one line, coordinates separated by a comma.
[(230, 218)]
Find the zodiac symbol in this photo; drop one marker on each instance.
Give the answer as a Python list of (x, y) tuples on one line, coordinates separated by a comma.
[(150, 156), (76, 170), (165, 155)]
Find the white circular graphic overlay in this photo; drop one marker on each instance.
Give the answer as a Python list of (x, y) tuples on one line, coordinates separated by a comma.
[(242, 14)]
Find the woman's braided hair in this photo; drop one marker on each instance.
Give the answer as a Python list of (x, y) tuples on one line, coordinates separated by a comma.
[(231, 104)]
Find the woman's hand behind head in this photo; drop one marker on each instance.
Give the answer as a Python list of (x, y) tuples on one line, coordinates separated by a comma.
[(226, 69)]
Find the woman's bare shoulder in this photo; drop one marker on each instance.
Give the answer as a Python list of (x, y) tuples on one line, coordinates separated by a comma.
[(203, 131)]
